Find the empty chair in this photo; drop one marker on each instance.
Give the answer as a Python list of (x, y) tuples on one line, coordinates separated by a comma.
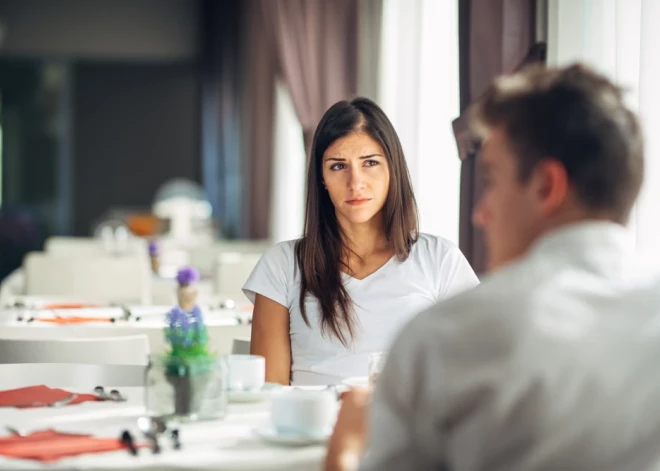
[(232, 271), (125, 350), (241, 347), (204, 257), (71, 375), (84, 246), (100, 278)]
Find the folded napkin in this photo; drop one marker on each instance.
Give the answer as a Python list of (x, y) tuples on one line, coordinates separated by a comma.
[(70, 306), (73, 320), (50, 445), (22, 396)]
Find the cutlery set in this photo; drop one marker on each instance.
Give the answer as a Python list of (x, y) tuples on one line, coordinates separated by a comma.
[(151, 427)]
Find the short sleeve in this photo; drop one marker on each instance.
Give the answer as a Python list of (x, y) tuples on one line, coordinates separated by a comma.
[(273, 275), (456, 274)]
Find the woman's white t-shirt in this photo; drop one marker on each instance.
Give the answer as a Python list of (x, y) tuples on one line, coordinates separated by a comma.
[(383, 302)]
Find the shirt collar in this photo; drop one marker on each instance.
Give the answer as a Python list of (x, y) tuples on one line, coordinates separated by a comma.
[(602, 247)]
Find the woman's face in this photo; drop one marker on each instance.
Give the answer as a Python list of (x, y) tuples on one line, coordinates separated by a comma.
[(356, 175)]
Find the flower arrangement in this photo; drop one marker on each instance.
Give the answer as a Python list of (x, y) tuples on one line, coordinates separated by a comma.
[(154, 256), (187, 338), (187, 278), (186, 332), (187, 381), (153, 248)]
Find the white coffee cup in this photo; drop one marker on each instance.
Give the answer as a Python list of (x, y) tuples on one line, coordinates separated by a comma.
[(303, 412), (246, 372)]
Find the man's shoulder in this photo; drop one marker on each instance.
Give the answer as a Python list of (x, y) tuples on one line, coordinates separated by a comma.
[(491, 312)]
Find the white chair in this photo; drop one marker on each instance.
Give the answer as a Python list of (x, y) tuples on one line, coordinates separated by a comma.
[(85, 246), (125, 350), (232, 271), (100, 278), (204, 257), (241, 347), (69, 375)]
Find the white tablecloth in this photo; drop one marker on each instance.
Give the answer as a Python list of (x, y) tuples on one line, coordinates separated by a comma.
[(229, 444)]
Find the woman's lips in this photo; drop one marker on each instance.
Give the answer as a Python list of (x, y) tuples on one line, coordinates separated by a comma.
[(358, 201)]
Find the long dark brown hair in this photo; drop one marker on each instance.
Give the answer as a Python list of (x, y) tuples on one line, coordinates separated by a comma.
[(319, 251)]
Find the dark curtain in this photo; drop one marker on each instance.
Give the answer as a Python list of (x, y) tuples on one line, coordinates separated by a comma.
[(221, 55), (494, 37), (313, 46), (261, 70), (316, 43)]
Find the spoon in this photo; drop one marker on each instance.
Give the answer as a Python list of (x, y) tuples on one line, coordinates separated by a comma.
[(152, 427)]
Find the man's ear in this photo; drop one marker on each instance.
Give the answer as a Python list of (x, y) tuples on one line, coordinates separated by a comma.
[(550, 184)]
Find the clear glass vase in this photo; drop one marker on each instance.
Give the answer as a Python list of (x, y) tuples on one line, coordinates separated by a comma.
[(186, 391)]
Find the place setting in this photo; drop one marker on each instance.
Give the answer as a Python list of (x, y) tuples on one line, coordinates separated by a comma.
[(246, 379), (33, 437), (44, 396), (300, 417)]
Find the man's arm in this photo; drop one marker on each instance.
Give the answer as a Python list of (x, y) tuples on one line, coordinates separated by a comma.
[(388, 440)]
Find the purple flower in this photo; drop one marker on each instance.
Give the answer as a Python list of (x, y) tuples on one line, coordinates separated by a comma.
[(177, 318), (187, 275), (153, 248), (196, 315)]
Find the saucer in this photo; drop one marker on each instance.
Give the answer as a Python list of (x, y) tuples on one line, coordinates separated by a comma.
[(257, 395), (271, 435), (357, 382)]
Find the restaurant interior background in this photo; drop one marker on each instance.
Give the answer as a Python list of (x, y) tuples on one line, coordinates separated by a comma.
[(107, 105)]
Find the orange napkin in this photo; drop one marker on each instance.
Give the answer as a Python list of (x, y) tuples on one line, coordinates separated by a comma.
[(73, 320), (50, 445), (70, 306), (16, 397)]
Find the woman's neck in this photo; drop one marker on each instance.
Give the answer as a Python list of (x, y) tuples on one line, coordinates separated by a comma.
[(365, 239)]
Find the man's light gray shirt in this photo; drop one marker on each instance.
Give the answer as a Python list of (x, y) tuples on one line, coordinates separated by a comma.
[(552, 363)]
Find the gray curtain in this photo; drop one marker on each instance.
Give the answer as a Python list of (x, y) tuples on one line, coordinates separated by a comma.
[(313, 46), (316, 44), (494, 37)]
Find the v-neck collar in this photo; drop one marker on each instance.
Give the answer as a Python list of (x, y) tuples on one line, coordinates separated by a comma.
[(368, 277)]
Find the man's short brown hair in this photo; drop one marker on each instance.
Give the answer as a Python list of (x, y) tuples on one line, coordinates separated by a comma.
[(577, 117)]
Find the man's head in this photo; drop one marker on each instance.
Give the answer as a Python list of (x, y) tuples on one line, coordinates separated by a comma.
[(559, 146)]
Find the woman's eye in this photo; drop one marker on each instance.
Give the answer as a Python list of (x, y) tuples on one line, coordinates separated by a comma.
[(370, 163), (337, 167)]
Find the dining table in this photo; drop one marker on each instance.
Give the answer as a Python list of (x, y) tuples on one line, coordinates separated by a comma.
[(224, 444), (223, 325)]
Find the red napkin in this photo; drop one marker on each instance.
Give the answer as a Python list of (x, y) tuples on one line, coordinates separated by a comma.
[(73, 320), (20, 396), (50, 445)]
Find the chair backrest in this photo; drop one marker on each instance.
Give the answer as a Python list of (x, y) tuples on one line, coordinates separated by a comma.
[(84, 246), (232, 271), (70, 375), (124, 350), (241, 347), (98, 277), (205, 257)]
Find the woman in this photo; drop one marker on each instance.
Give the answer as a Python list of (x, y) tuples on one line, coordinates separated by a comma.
[(361, 270)]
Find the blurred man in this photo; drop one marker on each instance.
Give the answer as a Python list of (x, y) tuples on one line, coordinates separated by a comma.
[(550, 364)]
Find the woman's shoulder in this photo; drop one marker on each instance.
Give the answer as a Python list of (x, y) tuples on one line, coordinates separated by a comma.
[(282, 253), (434, 246)]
